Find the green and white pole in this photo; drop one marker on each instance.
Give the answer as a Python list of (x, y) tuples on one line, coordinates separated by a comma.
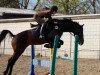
[(52, 70), (75, 55)]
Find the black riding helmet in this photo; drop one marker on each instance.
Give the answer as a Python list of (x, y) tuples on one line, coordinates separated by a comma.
[(54, 8)]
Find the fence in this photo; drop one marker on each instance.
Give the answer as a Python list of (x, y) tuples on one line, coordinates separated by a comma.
[(90, 49)]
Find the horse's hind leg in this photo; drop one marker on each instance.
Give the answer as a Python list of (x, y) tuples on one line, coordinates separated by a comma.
[(12, 60), (7, 69)]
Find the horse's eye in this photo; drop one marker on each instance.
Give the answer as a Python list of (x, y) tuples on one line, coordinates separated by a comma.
[(56, 27), (55, 22)]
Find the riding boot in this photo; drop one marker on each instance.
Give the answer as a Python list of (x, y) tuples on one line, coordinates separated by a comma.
[(42, 31)]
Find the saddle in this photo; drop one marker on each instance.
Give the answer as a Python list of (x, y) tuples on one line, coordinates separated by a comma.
[(37, 28)]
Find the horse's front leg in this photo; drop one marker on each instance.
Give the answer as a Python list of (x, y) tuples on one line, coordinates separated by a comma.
[(50, 45)]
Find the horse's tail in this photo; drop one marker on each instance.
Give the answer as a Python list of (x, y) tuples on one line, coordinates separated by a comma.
[(4, 33)]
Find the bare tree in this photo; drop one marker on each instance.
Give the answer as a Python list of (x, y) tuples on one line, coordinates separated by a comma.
[(23, 4), (26, 3), (38, 1), (93, 4)]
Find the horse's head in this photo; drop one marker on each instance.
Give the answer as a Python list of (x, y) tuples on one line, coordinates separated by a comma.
[(67, 25), (79, 31)]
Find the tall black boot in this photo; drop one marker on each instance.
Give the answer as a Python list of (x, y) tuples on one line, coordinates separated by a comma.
[(42, 31)]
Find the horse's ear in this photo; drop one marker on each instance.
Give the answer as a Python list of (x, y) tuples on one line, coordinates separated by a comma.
[(82, 25), (70, 18)]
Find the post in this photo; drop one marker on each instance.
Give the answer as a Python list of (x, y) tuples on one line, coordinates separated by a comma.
[(51, 51), (32, 57), (75, 55), (54, 55)]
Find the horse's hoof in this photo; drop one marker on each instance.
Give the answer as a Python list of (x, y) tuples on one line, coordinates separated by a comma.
[(61, 42), (59, 45)]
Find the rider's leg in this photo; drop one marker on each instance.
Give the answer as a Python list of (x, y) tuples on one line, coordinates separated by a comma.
[(42, 30), (40, 22)]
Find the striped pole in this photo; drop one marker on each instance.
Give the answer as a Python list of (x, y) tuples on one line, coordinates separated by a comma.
[(75, 55)]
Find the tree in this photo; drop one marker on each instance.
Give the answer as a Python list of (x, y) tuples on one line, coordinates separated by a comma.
[(78, 6), (67, 6), (9, 3), (23, 4), (38, 1), (14, 3)]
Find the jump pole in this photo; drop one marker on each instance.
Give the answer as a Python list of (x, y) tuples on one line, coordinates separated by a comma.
[(51, 52), (52, 68), (74, 72), (32, 57)]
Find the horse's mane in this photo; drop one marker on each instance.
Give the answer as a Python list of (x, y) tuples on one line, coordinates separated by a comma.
[(65, 20), (67, 23)]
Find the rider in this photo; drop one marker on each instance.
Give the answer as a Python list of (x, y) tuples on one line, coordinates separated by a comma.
[(45, 13)]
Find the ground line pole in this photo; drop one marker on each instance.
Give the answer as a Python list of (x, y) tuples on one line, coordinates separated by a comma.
[(52, 70), (75, 55)]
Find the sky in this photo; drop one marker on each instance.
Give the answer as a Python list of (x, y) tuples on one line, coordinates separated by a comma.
[(32, 4)]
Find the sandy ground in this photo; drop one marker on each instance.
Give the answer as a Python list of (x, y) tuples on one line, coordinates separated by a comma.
[(63, 67)]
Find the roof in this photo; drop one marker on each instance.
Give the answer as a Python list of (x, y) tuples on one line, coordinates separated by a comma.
[(82, 16), (16, 13)]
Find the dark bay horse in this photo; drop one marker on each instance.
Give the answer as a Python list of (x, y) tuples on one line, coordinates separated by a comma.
[(29, 37)]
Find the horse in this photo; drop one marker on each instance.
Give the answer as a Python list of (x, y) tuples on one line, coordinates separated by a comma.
[(31, 37)]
